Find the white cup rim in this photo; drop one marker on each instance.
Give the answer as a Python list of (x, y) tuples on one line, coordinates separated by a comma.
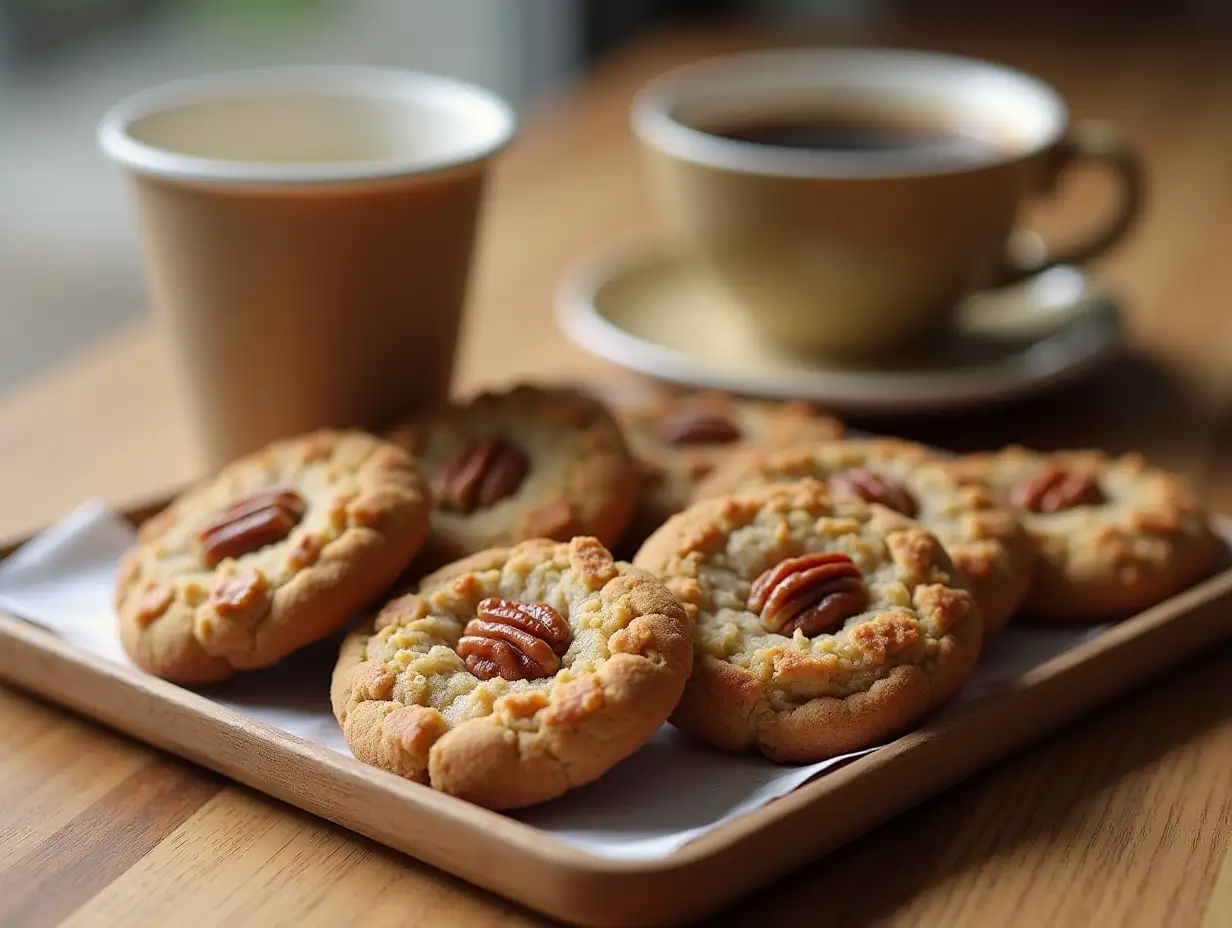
[(652, 120), (117, 142)]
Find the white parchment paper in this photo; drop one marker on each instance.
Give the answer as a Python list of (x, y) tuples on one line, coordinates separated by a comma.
[(665, 795)]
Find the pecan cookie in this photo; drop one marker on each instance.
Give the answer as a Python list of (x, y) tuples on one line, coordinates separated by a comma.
[(530, 463), (1112, 535), (679, 440), (276, 551), (824, 624), (986, 541), (515, 674)]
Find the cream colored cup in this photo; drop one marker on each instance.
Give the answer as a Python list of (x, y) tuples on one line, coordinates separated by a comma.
[(307, 236), (856, 254)]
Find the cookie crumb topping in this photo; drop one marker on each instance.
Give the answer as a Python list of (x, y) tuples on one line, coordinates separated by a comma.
[(239, 593), (155, 600)]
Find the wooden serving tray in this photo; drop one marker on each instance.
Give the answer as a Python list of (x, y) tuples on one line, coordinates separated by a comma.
[(537, 869)]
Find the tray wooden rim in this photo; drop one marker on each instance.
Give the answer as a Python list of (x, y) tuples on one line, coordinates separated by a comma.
[(579, 879)]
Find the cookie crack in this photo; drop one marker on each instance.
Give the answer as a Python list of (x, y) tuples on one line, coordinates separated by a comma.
[(759, 719), (546, 747)]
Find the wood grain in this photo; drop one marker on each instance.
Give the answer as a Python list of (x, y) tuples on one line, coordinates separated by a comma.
[(241, 859), (1122, 819), (70, 865), (529, 866)]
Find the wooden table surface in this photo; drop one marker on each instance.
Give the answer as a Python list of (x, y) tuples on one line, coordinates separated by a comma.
[(1124, 818)]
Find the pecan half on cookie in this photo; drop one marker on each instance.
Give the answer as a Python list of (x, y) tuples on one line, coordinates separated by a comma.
[(514, 640), (1112, 535), (276, 551), (529, 463), (516, 674), (482, 473), (251, 523), (699, 422), (680, 440), (813, 593), (1054, 489), (984, 537), (874, 486), (824, 624)]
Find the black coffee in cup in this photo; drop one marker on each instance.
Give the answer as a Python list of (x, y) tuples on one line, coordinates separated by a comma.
[(848, 199), (854, 133)]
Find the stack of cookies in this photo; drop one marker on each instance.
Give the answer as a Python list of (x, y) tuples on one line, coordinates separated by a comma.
[(791, 591)]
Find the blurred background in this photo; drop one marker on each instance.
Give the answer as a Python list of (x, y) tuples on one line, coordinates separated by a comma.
[(69, 269)]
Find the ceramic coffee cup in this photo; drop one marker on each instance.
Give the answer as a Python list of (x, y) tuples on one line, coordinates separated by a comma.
[(850, 198), (307, 235)]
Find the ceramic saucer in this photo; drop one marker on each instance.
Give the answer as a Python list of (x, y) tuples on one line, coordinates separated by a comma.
[(651, 311)]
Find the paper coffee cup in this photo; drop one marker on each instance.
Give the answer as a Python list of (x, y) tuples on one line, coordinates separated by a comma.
[(307, 236)]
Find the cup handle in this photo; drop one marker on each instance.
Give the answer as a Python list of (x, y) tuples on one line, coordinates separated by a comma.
[(1099, 143)]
